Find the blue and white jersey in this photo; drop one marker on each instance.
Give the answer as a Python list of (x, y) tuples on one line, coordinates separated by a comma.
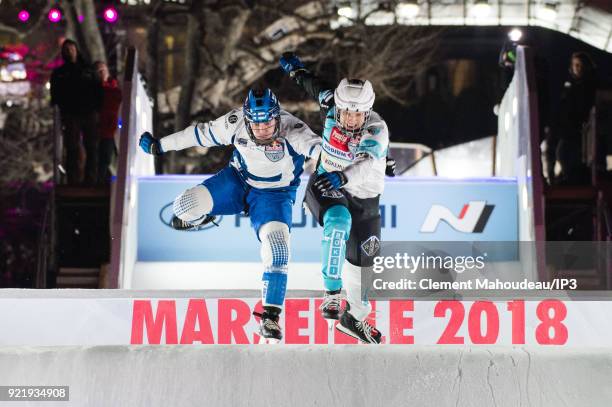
[(278, 165), (362, 158)]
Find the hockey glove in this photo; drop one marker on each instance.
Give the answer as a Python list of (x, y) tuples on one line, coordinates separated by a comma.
[(390, 169), (330, 181), (290, 63), (149, 144)]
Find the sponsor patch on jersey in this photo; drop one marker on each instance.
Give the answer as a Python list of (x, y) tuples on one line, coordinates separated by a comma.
[(232, 119), (298, 125), (332, 165), (371, 246), (242, 141), (339, 140), (275, 152), (334, 152), (333, 194)]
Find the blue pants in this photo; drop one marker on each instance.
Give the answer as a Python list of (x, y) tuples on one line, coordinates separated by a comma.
[(232, 195)]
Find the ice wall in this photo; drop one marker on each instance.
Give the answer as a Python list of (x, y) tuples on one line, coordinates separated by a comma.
[(269, 375)]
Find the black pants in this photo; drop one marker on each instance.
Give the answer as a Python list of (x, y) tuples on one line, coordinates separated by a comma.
[(364, 239), (566, 149), (74, 125)]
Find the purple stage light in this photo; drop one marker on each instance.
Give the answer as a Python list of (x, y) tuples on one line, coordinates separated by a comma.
[(80, 18), (23, 15), (54, 15), (110, 14)]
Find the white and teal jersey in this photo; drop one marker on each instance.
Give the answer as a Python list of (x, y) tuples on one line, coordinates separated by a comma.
[(278, 165), (362, 158)]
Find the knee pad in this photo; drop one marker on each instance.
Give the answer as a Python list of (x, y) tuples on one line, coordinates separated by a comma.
[(193, 204), (274, 238), (357, 298), (275, 257)]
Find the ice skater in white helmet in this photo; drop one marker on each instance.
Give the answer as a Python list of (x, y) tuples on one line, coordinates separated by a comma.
[(343, 194)]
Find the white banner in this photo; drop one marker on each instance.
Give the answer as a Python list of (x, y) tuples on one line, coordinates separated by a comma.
[(121, 321)]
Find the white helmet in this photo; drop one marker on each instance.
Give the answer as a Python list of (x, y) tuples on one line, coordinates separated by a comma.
[(354, 95)]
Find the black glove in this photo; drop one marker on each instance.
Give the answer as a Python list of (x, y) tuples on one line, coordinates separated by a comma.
[(330, 181), (390, 169)]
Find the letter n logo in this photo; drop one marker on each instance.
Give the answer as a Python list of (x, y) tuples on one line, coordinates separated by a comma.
[(472, 219)]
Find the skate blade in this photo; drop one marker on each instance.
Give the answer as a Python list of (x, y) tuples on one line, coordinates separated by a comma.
[(345, 331)]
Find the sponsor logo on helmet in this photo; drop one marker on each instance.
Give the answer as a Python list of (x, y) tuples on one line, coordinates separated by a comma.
[(298, 125), (275, 151), (232, 119)]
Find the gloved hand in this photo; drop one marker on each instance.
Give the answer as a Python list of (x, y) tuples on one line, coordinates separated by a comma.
[(330, 181), (290, 63), (149, 144), (390, 169)]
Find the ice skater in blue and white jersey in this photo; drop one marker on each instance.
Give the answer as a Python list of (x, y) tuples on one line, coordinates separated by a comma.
[(261, 180)]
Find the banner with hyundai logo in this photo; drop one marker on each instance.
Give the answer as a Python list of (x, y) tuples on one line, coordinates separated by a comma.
[(412, 209)]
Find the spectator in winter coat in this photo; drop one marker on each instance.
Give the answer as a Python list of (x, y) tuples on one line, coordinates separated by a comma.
[(565, 141), (109, 118), (77, 92)]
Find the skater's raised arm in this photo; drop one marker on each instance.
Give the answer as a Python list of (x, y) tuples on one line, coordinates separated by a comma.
[(210, 134), (307, 80)]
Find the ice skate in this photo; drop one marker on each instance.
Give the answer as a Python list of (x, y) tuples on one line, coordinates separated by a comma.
[(331, 307), (179, 224), (269, 330), (360, 330)]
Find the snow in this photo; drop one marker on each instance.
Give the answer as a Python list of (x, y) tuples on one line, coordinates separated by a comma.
[(342, 375)]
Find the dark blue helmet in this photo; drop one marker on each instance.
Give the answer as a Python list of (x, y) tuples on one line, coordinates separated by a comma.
[(261, 106)]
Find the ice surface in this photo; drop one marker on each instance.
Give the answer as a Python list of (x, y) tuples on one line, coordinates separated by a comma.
[(278, 375)]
